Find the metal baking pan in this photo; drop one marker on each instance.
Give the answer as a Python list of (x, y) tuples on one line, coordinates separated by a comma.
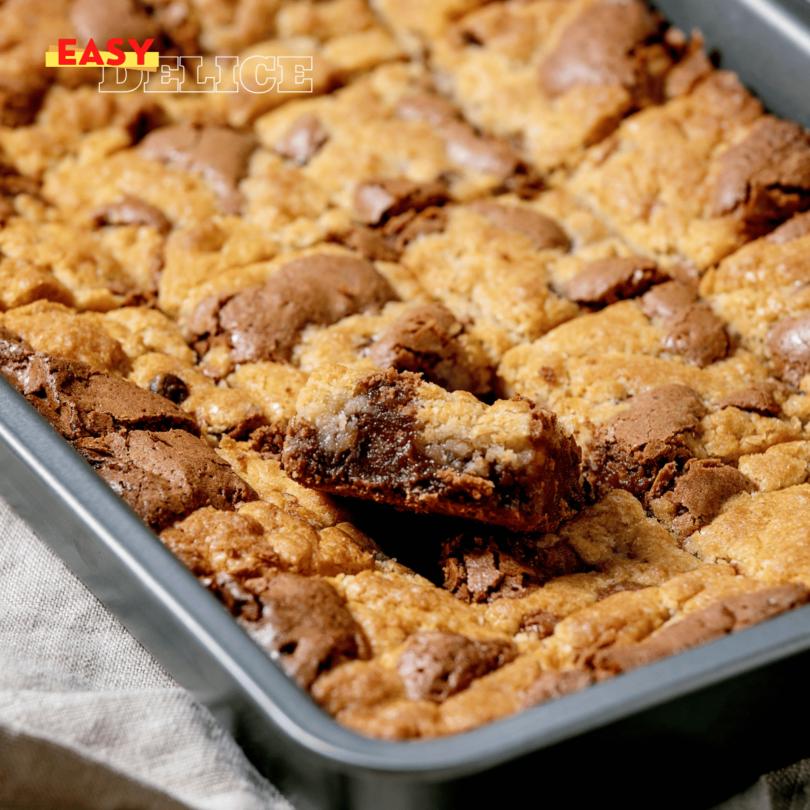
[(766, 42), (685, 732)]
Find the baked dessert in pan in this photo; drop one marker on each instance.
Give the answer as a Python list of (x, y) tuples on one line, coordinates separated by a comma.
[(472, 377)]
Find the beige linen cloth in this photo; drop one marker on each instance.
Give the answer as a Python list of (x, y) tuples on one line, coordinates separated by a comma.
[(90, 721)]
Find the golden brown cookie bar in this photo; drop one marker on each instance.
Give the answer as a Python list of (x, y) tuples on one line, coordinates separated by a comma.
[(218, 410), (260, 540), (616, 634), (61, 262), (386, 125), (531, 581), (422, 20), (148, 349), (762, 534), (275, 487), (111, 341), (394, 438), (759, 291), (730, 173), (423, 338), (779, 467), (586, 369), (556, 77), (501, 264), (29, 28)]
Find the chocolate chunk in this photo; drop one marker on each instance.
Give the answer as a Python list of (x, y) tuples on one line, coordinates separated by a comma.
[(265, 322), (725, 616), (368, 243), (543, 231), (789, 345), (132, 211), (697, 334), (426, 339), (13, 183), (493, 566), (20, 99), (539, 622), (691, 329), (436, 664), (164, 476), (267, 440), (139, 120), (665, 300), (795, 228), (657, 428), (690, 500), (80, 401), (606, 281), (427, 107), (240, 602), (766, 178), (403, 229), (479, 153), (551, 685), (171, 387), (219, 154), (378, 200), (303, 139), (306, 627), (113, 18), (605, 45), (761, 398)]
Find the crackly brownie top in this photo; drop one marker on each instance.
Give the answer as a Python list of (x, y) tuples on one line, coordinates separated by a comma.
[(81, 401), (164, 475)]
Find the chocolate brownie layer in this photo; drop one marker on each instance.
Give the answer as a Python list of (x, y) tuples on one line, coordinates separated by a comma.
[(164, 476), (80, 401)]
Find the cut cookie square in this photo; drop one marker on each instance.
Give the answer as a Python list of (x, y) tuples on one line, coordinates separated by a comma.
[(699, 176), (396, 439)]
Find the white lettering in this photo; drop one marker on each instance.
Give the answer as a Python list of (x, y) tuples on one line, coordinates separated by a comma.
[(115, 85), (295, 69), (266, 63), (162, 80), (226, 74)]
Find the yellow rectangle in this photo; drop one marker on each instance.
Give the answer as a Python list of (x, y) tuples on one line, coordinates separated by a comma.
[(151, 60)]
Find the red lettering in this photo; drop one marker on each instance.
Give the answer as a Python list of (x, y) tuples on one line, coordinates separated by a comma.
[(65, 55), (112, 47), (91, 55), (142, 50)]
